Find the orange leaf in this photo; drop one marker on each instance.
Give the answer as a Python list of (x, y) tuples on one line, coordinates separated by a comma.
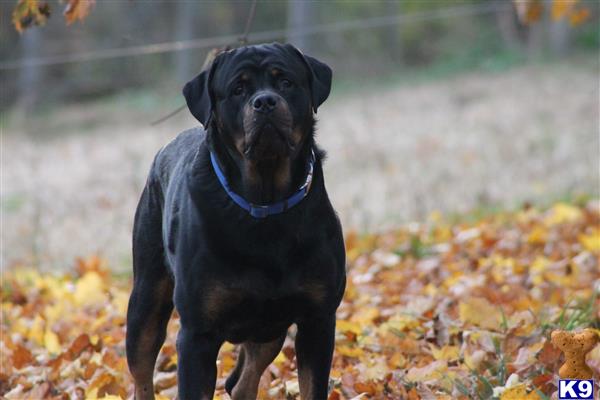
[(413, 394), (79, 344), (21, 357), (560, 8), (334, 395), (578, 17), (368, 388), (77, 10)]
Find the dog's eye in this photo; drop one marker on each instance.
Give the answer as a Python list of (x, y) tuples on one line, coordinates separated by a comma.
[(286, 83), (238, 89)]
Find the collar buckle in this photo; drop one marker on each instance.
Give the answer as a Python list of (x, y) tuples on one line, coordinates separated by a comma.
[(259, 211)]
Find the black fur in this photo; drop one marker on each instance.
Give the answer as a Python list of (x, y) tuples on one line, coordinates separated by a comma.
[(230, 276)]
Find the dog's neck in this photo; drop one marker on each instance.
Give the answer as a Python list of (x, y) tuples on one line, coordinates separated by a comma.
[(262, 182)]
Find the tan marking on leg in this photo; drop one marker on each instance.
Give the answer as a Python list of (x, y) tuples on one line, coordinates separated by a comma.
[(143, 371), (257, 358), (305, 379)]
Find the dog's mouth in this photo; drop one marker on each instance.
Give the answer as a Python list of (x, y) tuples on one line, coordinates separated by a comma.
[(268, 137)]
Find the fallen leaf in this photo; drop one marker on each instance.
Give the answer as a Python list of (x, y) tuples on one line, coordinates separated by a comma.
[(478, 311)]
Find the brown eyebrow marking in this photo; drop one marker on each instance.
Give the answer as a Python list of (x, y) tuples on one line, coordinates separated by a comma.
[(275, 72)]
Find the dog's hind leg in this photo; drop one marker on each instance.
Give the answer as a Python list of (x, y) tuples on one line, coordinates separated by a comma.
[(151, 300), (254, 358)]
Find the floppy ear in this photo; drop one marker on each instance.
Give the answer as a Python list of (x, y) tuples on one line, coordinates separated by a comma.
[(321, 81), (197, 96), (320, 78)]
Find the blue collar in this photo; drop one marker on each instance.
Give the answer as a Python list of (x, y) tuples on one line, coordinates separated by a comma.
[(263, 211)]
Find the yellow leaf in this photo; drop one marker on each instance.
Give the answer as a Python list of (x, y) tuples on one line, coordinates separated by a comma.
[(538, 235), (446, 353), (227, 362), (473, 361), (433, 371), (591, 241), (478, 311), (36, 331), (51, 342), (280, 359), (402, 322), (397, 360), (89, 290), (375, 370), (562, 213), (365, 315), (120, 301), (54, 312), (172, 361), (348, 351), (92, 394), (94, 339), (347, 326), (519, 392), (537, 269)]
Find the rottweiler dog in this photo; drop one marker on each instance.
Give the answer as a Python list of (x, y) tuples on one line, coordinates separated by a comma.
[(235, 229)]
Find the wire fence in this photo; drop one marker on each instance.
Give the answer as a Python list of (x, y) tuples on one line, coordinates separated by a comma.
[(270, 35)]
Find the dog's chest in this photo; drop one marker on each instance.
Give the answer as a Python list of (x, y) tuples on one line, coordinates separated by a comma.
[(257, 309)]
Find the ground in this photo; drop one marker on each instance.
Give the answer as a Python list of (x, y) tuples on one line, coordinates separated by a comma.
[(71, 176), (445, 308)]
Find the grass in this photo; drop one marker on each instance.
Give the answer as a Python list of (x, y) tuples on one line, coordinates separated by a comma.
[(578, 316), (485, 210)]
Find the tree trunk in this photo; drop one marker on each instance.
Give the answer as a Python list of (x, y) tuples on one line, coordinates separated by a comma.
[(301, 14), (392, 33), (559, 37), (507, 24), (184, 30), (29, 76)]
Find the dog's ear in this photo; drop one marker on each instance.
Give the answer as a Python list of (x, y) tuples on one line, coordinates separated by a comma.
[(320, 78), (198, 95)]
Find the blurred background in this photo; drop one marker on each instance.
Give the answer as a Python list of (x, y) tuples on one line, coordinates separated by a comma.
[(449, 106)]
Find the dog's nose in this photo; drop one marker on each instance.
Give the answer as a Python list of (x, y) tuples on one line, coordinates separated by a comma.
[(264, 102)]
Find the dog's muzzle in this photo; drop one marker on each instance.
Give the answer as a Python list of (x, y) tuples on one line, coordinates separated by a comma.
[(267, 126)]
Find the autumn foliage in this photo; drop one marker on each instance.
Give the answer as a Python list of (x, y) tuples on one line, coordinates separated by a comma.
[(432, 310), (29, 13)]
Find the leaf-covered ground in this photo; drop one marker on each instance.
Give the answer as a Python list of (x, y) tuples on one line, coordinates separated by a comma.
[(432, 310)]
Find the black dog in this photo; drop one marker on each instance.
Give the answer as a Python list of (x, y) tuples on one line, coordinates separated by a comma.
[(234, 227)]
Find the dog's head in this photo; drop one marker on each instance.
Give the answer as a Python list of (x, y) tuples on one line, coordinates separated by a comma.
[(260, 98)]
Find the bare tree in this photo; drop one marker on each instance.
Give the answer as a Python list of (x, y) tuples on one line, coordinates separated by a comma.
[(184, 30), (301, 13), (30, 75), (506, 20), (560, 37)]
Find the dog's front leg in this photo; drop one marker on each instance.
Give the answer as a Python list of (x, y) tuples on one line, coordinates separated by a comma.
[(197, 364), (314, 350)]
